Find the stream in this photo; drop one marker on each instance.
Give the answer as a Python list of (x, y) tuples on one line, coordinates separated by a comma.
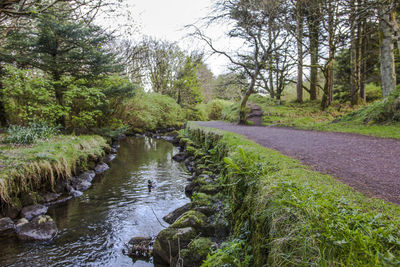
[(94, 227)]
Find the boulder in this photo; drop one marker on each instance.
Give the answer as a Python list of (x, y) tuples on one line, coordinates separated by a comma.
[(108, 158), (87, 176), (40, 228), (100, 168), (12, 212), (32, 211), (167, 241), (83, 186), (7, 226), (191, 218), (181, 156), (171, 217), (140, 247)]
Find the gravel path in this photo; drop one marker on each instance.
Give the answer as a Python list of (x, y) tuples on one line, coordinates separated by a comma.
[(368, 164)]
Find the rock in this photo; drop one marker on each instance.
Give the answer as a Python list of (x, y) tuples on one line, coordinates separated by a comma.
[(191, 218), (76, 193), (139, 240), (191, 188), (12, 212), (7, 226), (109, 158), (167, 240), (40, 228), (179, 157), (61, 186), (100, 168), (27, 199), (87, 176), (113, 150), (33, 211), (50, 197), (171, 217), (83, 186)]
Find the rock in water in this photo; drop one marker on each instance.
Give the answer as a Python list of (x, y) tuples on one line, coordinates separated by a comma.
[(32, 211), (7, 226), (40, 228), (179, 157), (171, 217), (102, 167)]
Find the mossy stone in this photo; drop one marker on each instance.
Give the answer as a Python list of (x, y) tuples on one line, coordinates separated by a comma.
[(197, 251), (201, 199), (191, 218)]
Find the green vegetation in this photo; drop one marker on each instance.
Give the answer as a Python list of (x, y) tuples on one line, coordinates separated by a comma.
[(282, 213), (28, 135), (34, 168), (208, 111), (150, 111)]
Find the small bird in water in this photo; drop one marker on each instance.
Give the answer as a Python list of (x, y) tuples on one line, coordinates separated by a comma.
[(149, 185)]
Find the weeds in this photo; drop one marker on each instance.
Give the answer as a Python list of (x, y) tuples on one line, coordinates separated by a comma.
[(29, 134)]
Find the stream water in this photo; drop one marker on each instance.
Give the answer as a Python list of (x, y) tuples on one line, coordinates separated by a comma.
[(94, 227)]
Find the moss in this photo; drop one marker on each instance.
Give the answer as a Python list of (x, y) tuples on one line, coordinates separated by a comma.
[(202, 199), (191, 218), (209, 189)]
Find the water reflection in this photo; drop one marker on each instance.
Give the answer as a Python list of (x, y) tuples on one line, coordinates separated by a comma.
[(94, 227)]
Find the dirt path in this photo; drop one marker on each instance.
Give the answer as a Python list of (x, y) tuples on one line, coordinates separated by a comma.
[(368, 164)]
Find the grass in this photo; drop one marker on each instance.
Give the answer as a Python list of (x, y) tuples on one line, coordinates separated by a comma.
[(289, 215), (32, 168)]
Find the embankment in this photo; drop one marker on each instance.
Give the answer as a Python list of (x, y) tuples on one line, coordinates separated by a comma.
[(283, 213), (28, 173)]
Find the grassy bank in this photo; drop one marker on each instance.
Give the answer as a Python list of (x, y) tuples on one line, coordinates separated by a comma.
[(309, 116), (284, 214), (25, 169)]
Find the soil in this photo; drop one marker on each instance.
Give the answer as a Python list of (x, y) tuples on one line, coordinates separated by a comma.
[(255, 115), (370, 165)]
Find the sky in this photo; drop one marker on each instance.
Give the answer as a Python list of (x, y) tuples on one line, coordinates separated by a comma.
[(166, 19)]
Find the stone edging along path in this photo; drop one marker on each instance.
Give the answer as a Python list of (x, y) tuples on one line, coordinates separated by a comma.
[(368, 164)]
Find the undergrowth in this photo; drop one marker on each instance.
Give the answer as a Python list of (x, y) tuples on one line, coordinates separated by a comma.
[(284, 214), (29, 134)]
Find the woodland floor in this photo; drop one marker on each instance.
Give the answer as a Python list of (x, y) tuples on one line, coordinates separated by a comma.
[(368, 164)]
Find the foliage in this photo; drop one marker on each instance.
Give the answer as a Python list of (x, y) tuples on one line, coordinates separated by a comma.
[(287, 214), (186, 90), (85, 104), (29, 134), (373, 92), (231, 253), (385, 110), (215, 108), (150, 111), (30, 98)]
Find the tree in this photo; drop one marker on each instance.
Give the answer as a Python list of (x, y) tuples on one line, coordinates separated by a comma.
[(186, 86), (59, 46)]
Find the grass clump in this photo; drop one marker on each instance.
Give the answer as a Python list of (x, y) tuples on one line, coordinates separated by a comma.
[(36, 167), (282, 213), (29, 134)]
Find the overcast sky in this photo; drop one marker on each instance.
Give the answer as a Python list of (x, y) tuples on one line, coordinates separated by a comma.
[(165, 19)]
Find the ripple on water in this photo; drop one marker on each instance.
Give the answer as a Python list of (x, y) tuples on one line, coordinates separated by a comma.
[(95, 227)]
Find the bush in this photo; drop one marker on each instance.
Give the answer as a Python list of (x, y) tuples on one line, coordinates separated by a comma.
[(215, 108), (29, 98), (29, 135), (150, 111), (373, 92)]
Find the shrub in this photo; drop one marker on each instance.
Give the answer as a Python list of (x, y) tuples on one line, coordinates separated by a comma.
[(215, 108), (29, 135), (150, 111), (373, 92), (29, 98)]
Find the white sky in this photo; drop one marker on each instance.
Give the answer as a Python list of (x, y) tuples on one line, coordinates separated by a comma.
[(165, 19)]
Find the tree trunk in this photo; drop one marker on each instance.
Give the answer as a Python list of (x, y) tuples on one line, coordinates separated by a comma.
[(363, 51), (388, 75), (314, 45), (3, 114), (299, 86), (250, 90), (354, 57)]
